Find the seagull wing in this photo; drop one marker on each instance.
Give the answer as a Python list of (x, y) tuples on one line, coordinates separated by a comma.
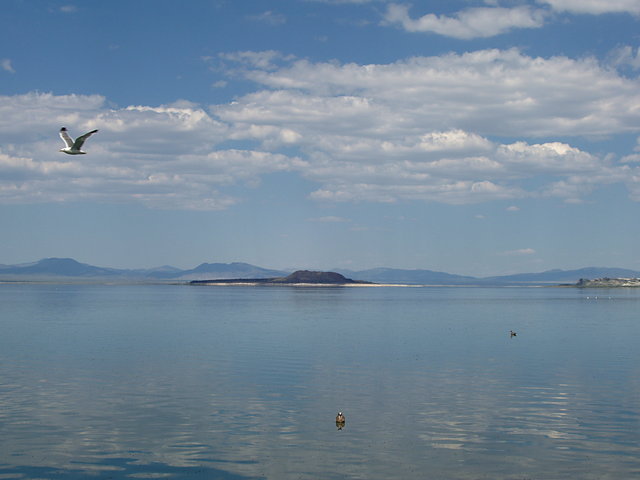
[(80, 140), (66, 138)]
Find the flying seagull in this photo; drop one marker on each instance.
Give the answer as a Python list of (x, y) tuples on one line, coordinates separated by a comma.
[(73, 148)]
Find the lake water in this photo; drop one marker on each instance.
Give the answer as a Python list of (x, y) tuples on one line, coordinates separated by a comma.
[(173, 381)]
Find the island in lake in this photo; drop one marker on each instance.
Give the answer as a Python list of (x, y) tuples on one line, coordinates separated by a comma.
[(608, 282), (301, 277)]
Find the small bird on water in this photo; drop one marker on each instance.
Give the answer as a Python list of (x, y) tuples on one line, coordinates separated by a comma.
[(74, 147), (512, 333), (340, 420)]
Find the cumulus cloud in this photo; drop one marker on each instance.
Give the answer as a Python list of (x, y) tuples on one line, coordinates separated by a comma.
[(374, 132), (594, 7), (489, 92), (492, 20), (422, 129), (467, 24), (495, 92), (163, 157), (457, 177)]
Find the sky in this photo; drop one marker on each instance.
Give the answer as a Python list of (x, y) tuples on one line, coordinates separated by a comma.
[(476, 137)]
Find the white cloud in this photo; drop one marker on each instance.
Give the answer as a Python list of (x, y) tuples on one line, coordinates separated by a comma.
[(68, 8), (521, 251), (374, 132), (267, 60), (495, 92), (554, 157), (595, 7), (270, 18), (470, 23), (625, 56), (633, 158), (424, 129), (483, 22), (163, 157), (7, 65)]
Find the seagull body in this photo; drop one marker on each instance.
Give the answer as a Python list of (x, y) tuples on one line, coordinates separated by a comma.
[(74, 147)]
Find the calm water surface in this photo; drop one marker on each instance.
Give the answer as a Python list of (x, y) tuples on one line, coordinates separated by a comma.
[(125, 382)]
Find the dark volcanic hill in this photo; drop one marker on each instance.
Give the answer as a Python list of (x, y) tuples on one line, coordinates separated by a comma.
[(307, 276), (299, 277)]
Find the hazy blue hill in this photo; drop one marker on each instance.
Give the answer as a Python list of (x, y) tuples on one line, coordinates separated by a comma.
[(413, 277), (214, 271), (66, 267), (52, 268), (165, 269), (563, 276), (429, 277)]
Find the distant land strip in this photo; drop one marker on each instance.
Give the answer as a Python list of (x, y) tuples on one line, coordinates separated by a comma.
[(608, 283)]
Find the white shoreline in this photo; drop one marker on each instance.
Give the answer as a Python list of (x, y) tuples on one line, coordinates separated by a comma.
[(276, 284)]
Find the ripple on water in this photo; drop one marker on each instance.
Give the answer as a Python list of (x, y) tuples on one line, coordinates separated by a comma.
[(244, 383)]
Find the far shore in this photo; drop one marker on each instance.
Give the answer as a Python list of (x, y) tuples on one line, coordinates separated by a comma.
[(222, 283)]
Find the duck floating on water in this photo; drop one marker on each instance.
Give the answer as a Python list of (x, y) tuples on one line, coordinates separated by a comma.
[(512, 333), (340, 420)]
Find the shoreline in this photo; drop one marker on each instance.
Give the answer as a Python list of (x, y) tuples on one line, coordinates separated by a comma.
[(222, 283)]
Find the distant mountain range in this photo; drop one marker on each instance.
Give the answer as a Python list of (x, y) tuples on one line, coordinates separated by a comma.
[(68, 269), (429, 277)]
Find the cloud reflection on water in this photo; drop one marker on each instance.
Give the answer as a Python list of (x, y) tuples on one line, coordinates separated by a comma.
[(248, 387)]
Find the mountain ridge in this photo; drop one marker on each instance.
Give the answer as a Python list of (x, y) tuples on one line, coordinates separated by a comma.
[(52, 269)]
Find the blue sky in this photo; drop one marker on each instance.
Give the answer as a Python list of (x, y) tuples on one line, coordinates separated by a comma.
[(473, 137)]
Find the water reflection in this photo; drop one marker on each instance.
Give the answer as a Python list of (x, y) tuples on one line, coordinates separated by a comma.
[(172, 382), (118, 468)]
